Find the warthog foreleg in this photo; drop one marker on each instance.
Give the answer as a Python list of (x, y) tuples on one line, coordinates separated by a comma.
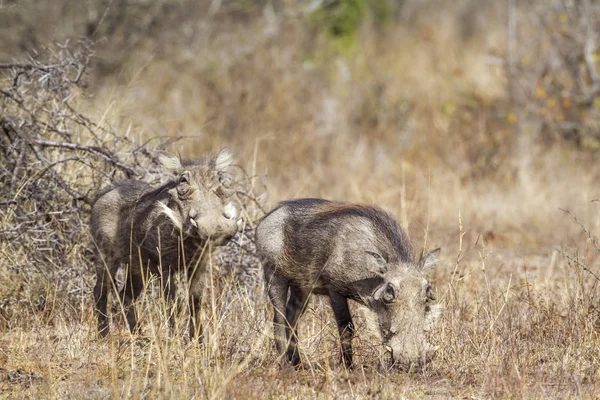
[(345, 325), (277, 288), (169, 291), (131, 290), (196, 287), (103, 284)]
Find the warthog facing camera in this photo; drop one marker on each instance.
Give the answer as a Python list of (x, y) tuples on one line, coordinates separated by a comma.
[(162, 231), (347, 251)]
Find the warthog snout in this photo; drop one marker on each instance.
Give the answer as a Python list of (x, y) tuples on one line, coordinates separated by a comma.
[(218, 229), (404, 361), (229, 226)]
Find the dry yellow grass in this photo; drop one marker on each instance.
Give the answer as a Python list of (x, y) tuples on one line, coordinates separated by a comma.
[(406, 122)]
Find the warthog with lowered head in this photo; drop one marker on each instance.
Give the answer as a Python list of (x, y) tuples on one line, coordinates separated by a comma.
[(162, 231), (347, 251)]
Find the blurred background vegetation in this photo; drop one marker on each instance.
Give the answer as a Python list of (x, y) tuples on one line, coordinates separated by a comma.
[(485, 78), (527, 67)]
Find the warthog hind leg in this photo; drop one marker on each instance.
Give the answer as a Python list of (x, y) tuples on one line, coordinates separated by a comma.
[(294, 309)]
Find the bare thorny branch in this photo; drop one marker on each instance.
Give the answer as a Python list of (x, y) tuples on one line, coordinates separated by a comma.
[(583, 228), (590, 237), (578, 263), (53, 157), (560, 88)]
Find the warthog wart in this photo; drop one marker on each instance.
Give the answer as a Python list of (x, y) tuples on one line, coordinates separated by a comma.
[(162, 231), (347, 251)]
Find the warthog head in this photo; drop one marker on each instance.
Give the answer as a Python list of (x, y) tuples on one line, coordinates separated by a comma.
[(199, 192), (406, 311)]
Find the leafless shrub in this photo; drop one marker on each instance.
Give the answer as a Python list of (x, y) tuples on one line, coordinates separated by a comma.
[(556, 83), (586, 294)]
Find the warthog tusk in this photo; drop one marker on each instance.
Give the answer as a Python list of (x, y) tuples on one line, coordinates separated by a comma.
[(230, 211), (194, 223), (388, 349), (164, 209)]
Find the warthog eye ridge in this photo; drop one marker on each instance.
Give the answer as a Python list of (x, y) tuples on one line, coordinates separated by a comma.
[(223, 193), (183, 192)]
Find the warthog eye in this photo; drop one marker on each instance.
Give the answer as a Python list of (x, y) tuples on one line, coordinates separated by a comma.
[(225, 188), (390, 293), (429, 292), (183, 187), (225, 181), (386, 293)]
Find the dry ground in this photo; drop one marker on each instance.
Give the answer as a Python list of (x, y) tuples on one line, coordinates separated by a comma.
[(424, 133)]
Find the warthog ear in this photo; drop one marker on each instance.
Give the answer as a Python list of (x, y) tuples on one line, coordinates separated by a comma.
[(168, 160), (223, 160), (430, 260), (386, 292)]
